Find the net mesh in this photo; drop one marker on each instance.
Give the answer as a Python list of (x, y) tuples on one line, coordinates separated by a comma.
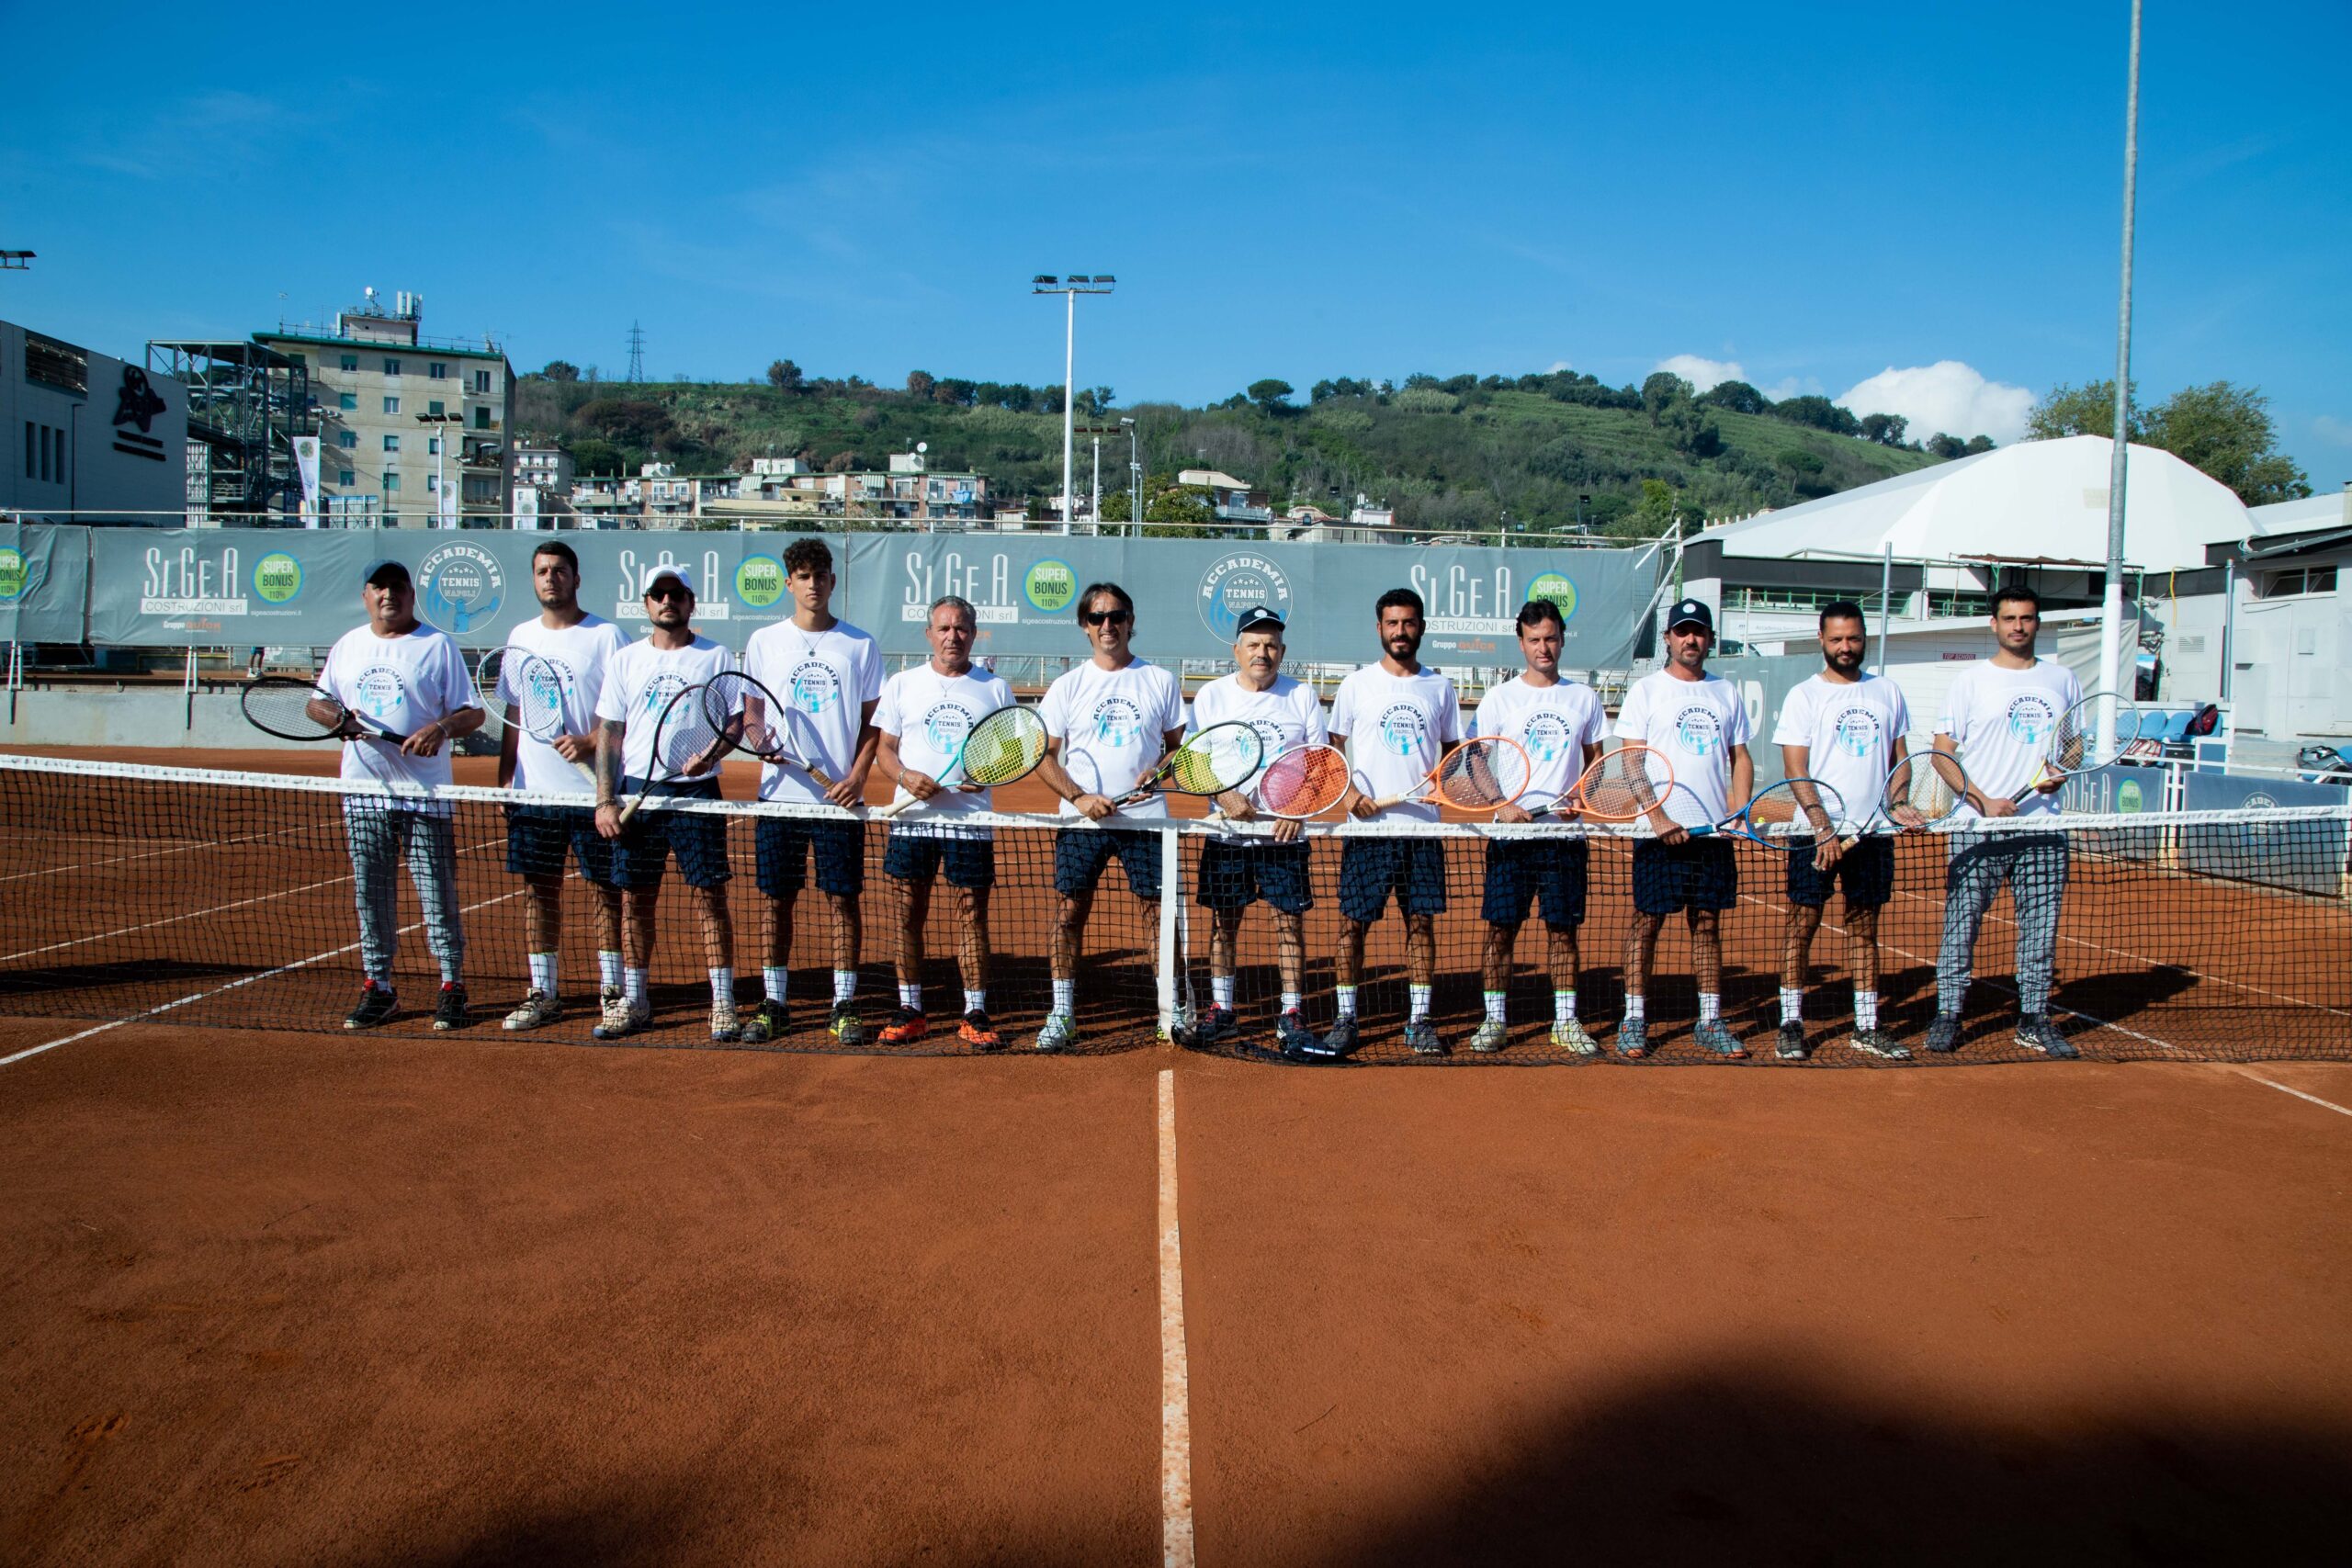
[(228, 899)]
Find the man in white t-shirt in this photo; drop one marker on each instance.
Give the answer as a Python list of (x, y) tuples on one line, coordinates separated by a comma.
[(830, 675), (1235, 871), (1845, 728), (1107, 723), (1559, 724), (1700, 723), (1397, 719), (411, 680), (1997, 715), (640, 682), (922, 719), (570, 645)]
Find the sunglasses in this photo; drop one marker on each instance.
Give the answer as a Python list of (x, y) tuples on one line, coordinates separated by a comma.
[(667, 590), (1105, 618)]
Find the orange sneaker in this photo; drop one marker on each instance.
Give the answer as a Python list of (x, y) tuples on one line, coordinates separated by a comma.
[(978, 1033), (905, 1027)]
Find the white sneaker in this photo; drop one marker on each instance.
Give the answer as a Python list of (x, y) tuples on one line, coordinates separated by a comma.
[(621, 1016), (537, 1008)]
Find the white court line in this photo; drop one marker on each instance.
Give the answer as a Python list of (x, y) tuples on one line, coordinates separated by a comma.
[(233, 985), (1175, 1382), (185, 848), (2298, 1094)]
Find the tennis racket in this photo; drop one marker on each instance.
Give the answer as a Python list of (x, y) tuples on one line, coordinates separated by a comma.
[(1304, 782), (537, 691), (1925, 788), (2078, 743), (295, 709), (488, 673), (1210, 761), (751, 719), (1777, 816), (1485, 772), (1616, 787), (686, 745), (1003, 747)]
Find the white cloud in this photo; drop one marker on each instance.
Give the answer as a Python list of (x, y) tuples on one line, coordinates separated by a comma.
[(1789, 386), (1947, 396), (1701, 374), (1556, 366), (2334, 431)]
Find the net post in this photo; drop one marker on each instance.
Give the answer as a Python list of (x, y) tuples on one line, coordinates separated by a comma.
[(1171, 897)]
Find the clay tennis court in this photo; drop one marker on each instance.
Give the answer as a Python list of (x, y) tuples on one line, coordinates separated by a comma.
[(282, 1295)]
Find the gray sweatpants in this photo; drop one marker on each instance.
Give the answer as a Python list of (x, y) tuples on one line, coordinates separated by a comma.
[(381, 839), (2034, 866)]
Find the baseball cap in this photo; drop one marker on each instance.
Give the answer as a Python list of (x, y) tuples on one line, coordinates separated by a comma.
[(685, 579), (1257, 618), (385, 566), (1691, 610)]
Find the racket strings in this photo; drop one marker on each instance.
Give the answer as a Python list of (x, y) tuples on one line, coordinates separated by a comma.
[(1003, 747), (1795, 807), (1627, 783), (539, 692), (1925, 787), (1219, 758), (282, 706), (1304, 783), (1481, 774)]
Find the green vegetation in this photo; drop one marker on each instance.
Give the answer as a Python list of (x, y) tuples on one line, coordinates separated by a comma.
[(1457, 454), (2222, 429)]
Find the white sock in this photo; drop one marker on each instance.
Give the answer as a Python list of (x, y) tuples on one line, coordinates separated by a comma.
[(1221, 990), (1493, 1007), (633, 981), (1563, 1007), (1865, 1010), (1293, 1001), (1710, 1007), (722, 985), (1420, 1008), (1345, 995), (911, 996), (543, 974), (608, 970), (976, 1001), (844, 984), (1634, 1004), (1791, 1005), (1066, 996), (774, 976)]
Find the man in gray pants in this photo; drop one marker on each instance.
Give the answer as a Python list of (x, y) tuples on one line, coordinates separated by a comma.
[(1997, 716)]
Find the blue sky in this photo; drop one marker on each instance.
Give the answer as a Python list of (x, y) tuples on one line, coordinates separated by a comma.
[(1816, 194)]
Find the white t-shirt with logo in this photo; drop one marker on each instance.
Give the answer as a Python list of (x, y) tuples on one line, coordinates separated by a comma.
[(827, 677), (1110, 723), (930, 714), (1694, 724), (578, 655), (1553, 724), (1397, 726), (1287, 715), (403, 683), (2000, 720), (1848, 729), (639, 681)]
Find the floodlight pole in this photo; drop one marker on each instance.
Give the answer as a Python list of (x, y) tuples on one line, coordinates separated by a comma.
[(2112, 623), (1071, 286)]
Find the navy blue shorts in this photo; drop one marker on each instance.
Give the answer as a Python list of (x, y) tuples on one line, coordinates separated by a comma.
[(1866, 873), (780, 848), (1547, 871), (1080, 853), (917, 857), (698, 838), (536, 837), (1371, 868), (1232, 875), (1697, 873)]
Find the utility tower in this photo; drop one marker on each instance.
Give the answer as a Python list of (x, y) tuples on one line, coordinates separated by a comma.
[(636, 353)]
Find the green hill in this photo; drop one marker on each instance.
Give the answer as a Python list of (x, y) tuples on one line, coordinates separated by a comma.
[(1459, 454)]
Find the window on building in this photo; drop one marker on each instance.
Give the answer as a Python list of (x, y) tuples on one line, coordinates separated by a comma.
[(346, 399), (392, 367), (431, 484), (437, 371), (434, 407), (481, 382), (348, 439), (2314, 579), (391, 405), (32, 459), (482, 419), (392, 443), (351, 362), (433, 446), (391, 481), (57, 435), (345, 476)]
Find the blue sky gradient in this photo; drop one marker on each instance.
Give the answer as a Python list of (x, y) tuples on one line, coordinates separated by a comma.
[(1814, 194)]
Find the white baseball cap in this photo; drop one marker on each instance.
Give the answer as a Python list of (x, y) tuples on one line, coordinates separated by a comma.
[(685, 579)]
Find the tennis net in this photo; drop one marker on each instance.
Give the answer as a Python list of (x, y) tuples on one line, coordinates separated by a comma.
[(228, 898)]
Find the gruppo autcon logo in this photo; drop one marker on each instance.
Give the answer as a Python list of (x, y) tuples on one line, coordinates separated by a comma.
[(1235, 582), (277, 578), (759, 581), (459, 587), (1559, 589), (1050, 585)]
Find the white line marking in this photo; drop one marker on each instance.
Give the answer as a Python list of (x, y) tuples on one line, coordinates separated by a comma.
[(2298, 1094), (1175, 1382)]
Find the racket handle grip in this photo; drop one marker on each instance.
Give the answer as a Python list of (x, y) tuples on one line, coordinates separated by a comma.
[(886, 812), (629, 809), (1384, 803)]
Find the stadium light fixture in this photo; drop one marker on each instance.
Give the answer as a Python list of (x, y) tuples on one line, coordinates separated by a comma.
[(1070, 286), (15, 261)]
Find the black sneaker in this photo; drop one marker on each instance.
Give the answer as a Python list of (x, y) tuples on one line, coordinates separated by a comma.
[(1337, 1044), (449, 1012), (1291, 1036), (766, 1023), (1793, 1047), (1421, 1035), (2036, 1032), (1210, 1027), (1944, 1035), (377, 1003)]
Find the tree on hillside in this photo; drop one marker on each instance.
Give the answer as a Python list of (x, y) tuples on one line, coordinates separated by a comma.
[(2087, 409), (785, 375), (1945, 446), (1269, 394), (1663, 390), (561, 370), (1886, 429), (627, 421), (2225, 430), (920, 383), (1736, 397), (598, 457), (1979, 444), (1820, 413), (1339, 387)]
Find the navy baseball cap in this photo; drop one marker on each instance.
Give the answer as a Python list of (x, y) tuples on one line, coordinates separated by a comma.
[(1690, 612), (385, 567), (1257, 618)]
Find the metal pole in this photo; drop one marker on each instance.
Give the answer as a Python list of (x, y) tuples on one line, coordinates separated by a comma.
[(1885, 602), (2229, 619), (1070, 402), (2111, 634), (1097, 439)]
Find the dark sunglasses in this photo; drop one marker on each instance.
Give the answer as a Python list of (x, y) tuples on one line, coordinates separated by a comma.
[(1105, 618), (667, 590)]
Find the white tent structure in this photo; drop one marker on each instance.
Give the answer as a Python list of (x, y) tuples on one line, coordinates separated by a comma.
[(2036, 501)]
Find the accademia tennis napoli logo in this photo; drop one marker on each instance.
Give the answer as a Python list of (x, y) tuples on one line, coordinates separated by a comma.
[(1233, 583), (459, 587)]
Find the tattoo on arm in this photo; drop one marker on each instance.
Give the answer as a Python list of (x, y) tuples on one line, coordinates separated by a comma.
[(608, 760)]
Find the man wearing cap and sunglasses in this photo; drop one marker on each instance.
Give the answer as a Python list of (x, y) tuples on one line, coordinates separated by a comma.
[(410, 679), (1237, 870)]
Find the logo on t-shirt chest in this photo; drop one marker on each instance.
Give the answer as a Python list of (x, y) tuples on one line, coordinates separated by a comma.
[(664, 685), (1699, 730), (1404, 728), (815, 686), (1856, 731), (379, 689), (1116, 723), (944, 724), (1545, 736), (2031, 715)]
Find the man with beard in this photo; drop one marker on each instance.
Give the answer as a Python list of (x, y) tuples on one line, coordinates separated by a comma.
[(1845, 728)]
